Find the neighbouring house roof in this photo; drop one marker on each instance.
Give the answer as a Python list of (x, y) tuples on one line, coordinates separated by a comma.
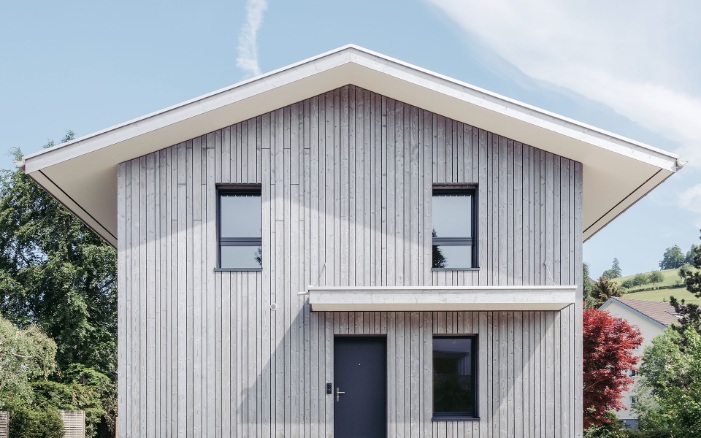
[(82, 173), (662, 313)]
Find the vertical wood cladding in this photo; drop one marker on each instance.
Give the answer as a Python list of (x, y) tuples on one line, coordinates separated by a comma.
[(346, 191)]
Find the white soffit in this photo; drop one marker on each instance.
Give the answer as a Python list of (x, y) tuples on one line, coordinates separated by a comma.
[(617, 171), (440, 298)]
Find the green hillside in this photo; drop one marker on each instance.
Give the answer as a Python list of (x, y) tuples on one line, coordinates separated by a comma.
[(671, 284)]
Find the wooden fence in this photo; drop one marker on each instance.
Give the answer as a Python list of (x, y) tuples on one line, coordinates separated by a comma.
[(4, 424), (73, 424)]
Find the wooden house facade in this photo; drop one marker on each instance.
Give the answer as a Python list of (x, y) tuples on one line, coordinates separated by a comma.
[(345, 301)]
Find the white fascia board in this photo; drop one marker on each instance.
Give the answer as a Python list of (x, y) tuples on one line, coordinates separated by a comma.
[(441, 298), (617, 171), (398, 76), (76, 208), (508, 108)]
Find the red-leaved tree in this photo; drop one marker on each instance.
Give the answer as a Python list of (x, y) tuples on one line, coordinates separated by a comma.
[(608, 357)]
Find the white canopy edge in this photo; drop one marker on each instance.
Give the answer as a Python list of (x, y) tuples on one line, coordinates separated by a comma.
[(440, 298)]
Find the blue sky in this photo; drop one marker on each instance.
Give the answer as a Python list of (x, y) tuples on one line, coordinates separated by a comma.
[(630, 67)]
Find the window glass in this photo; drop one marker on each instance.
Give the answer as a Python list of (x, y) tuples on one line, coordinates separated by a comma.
[(452, 256), (240, 227), (453, 376), (240, 215), (241, 257), (453, 226), (452, 216)]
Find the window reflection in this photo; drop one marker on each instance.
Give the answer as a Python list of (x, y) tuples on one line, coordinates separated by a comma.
[(240, 216), (453, 226), (453, 376), (452, 256), (452, 216), (240, 227), (241, 257)]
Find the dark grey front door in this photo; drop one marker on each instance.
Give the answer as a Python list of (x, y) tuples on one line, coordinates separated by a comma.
[(360, 389)]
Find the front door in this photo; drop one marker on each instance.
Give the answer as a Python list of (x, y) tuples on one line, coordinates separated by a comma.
[(360, 389)]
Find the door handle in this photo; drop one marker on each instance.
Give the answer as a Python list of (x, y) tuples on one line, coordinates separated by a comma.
[(338, 393)]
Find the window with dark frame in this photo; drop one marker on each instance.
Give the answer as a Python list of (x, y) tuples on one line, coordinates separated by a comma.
[(240, 227), (454, 377), (454, 227)]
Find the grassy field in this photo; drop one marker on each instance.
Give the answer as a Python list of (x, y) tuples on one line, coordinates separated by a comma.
[(663, 295), (671, 279)]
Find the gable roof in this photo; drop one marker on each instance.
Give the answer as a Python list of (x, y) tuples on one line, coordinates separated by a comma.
[(661, 313), (82, 173)]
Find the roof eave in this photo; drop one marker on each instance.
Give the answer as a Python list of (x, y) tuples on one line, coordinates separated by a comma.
[(350, 65)]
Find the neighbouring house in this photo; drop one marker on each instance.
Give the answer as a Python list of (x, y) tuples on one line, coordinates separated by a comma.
[(350, 246), (652, 319)]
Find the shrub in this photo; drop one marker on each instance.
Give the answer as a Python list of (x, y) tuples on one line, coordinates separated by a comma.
[(640, 279), (627, 284), (656, 277), (25, 422)]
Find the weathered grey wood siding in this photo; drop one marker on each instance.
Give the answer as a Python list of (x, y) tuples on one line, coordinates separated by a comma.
[(346, 186)]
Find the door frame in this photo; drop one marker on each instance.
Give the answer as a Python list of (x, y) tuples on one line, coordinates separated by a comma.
[(382, 336)]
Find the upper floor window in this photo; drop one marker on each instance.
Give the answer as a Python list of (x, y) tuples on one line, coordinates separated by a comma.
[(240, 227), (454, 226)]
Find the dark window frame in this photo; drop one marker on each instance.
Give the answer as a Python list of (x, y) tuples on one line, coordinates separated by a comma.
[(456, 189), (463, 416), (242, 190)]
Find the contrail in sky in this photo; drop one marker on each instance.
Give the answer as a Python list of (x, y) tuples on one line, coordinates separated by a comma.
[(248, 51)]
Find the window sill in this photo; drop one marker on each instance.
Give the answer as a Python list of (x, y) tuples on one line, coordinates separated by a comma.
[(238, 269), (454, 418), (454, 269)]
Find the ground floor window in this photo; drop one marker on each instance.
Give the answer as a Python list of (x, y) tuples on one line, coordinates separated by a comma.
[(454, 372)]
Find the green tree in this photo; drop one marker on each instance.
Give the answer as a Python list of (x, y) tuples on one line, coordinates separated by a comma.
[(55, 272), (614, 271), (689, 259), (587, 282), (437, 256), (673, 258), (25, 355), (655, 277), (602, 290), (670, 401), (690, 314)]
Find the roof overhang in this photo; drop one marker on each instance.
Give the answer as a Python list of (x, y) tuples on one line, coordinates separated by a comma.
[(440, 298), (82, 173)]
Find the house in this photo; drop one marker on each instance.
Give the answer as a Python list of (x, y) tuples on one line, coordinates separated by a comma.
[(652, 319), (350, 246)]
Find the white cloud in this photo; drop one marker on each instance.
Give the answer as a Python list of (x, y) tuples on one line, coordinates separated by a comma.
[(691, 198), (640, 58), (248, 49)]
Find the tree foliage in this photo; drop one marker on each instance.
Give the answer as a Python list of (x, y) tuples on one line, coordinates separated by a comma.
[(671, 384), (25, 355), (30, 422), (601, 291), (689, 257), (673, 258), (608, 357), (587, 283), (656, 277), (438, 259), (614, 271), (690, 315), (55, 272)]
